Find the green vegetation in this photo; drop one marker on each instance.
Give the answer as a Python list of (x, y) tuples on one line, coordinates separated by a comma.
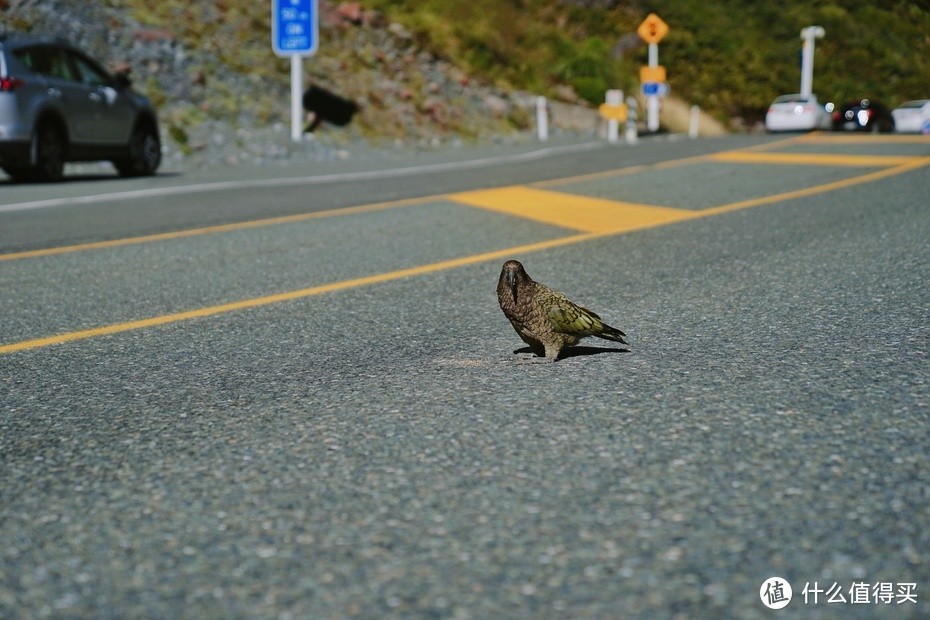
[(529, 44), (731, 57), (734, 56)]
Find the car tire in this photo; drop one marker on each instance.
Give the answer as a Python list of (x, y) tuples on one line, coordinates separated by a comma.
[(18, 174), (47, 154), (144, 153)]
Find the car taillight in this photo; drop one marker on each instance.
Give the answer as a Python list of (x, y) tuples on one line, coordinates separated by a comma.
[(10, 83), (837, 115)]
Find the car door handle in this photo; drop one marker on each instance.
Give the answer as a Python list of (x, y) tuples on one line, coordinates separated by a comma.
[(54, 92)]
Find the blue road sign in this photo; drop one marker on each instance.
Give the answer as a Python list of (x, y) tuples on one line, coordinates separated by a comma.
[(294, 27), (655, 88)]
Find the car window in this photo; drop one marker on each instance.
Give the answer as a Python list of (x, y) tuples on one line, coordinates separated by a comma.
[(790, 99), (48, 61), (88, 73)]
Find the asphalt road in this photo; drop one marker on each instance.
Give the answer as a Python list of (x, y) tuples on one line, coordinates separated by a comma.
[(299, 399)]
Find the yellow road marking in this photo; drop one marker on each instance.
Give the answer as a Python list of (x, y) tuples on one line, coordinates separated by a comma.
[(864, 138), (596, 215), (221, 228), (290, 295), (207, 230), (812, 159), (603, 231), (916, 163), (662, 165)]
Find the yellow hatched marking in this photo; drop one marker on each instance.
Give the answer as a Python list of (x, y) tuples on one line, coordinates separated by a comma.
[(593, 215), (813, 159)]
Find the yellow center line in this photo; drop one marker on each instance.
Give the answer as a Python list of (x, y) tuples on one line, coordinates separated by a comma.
[(863, 138), (300, 217), (663, 165), (652, 217), (913, 164), (290, 295), (815, 159), (219, 228)]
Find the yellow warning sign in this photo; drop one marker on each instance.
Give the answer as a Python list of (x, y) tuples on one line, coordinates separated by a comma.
[(653, 29)]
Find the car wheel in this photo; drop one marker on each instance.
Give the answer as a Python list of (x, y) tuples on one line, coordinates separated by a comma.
[(144, 153), (48, 154), (18, 174)]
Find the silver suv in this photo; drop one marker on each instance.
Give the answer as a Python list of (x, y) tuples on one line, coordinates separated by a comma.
[(58, 105)]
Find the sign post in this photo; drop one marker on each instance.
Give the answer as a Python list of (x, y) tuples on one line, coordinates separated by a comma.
[(807, 58), (295, 28), (653, 30)]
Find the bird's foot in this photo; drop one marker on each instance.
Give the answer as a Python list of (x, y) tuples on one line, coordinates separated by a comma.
[(534, 359)]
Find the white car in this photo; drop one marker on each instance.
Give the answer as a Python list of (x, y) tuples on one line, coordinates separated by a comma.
[(797, 113), (910, 117)]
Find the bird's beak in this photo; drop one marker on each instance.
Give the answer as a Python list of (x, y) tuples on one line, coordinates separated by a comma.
[(512, 283)]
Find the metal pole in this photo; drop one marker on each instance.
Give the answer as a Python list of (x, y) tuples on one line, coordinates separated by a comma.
[(807, 58), (297, 83), (652, 101)]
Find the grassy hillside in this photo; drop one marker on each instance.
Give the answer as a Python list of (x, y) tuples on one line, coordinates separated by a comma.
[(730, 56), (529, 44), (735, 59)]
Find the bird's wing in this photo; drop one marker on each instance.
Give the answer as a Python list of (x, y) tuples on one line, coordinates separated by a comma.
[(568, 317)]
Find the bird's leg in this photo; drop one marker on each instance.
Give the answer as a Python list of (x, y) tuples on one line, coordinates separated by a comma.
[(552, 351)]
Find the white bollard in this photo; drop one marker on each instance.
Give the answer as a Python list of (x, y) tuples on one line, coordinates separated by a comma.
[(693, 125), (631, 135), (613, 97), (542, 119)]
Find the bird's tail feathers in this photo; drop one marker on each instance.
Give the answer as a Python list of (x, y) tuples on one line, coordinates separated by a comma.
[(612, 333)]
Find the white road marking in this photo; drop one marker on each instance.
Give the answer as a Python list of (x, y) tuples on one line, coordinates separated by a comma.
[(297, 181)]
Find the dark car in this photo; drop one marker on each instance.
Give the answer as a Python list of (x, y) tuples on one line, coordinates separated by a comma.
[(58, 105), (863, 115)]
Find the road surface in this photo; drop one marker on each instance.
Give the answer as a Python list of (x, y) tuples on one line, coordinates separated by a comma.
[(295, 396)]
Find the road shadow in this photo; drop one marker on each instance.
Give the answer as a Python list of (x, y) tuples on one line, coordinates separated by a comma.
[(576, 351), (85, 177)]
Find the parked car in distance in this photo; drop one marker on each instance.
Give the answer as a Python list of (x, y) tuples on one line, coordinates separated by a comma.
[(796, 113), (911, 116), (863, 115), (58, 105)]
